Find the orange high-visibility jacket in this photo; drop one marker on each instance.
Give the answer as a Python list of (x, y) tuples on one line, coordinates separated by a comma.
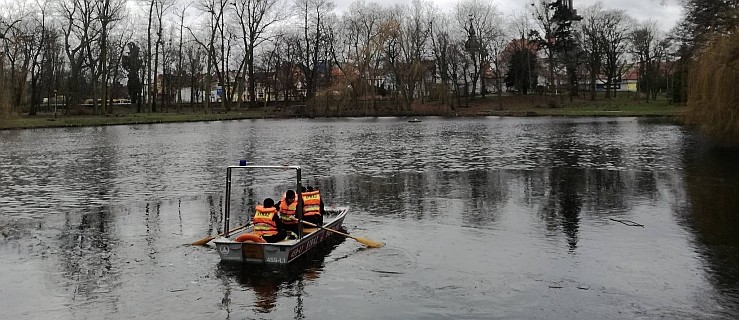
[(311, 203), (264, 225), (287, 211)]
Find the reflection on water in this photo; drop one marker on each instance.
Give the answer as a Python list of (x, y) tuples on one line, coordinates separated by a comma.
[(712, 184), (268, 283), (483, 218), (85, 253)]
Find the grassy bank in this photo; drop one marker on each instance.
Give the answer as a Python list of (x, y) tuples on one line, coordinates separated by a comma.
[(511, 106), (605, 109), (49, 120), (622, 106)]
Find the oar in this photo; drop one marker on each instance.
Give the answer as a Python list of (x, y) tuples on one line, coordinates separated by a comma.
[(365, 241), (205, 240)]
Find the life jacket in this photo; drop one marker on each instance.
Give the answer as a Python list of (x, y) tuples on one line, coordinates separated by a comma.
[(311, 203), (287, 212), (264, 225)]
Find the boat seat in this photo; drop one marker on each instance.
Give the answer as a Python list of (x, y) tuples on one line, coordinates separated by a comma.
[(306, 231)]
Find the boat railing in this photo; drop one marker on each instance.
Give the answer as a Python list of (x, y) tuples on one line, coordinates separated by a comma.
[(243, 165)]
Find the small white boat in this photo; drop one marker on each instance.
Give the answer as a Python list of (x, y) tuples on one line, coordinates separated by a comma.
[(414, 120), (279, 253), (282, 252)]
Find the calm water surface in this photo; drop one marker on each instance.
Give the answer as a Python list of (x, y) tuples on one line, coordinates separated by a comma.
[(486, 218)]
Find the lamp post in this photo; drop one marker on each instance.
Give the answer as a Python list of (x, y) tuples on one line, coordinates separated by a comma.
[(56, 102)]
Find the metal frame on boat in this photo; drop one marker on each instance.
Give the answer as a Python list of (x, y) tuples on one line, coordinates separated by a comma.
[(278, 253)]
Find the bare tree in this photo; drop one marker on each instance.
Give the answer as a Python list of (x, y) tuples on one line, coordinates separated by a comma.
[(648, 48), (180, 58), (358, 52), (591, 28), (613, 37), (288, 71), (160, 10), (21, 40), (109, 12), (148, 86), (168, 82), (439, 37), (214, 9), (255, 17), (415, 34), (40, 37), (194, 67), (118, 41), (483, 23), (544, 16), (8, 24), (223, 53), (458, 63), (453, 61), (313, 45), (80, 33)]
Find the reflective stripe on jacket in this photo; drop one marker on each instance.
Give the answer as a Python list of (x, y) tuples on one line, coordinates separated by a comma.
[(264, 224), (287, 212), (311, 203)]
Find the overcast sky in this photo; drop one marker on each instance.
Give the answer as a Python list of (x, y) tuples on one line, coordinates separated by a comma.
[(666, 15)]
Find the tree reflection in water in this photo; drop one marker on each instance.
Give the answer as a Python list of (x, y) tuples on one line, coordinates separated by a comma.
[(712, 210)]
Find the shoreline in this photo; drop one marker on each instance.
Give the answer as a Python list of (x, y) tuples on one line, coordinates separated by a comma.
[(479, 108)]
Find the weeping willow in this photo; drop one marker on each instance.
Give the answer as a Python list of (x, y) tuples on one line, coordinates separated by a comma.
[(713, 97)]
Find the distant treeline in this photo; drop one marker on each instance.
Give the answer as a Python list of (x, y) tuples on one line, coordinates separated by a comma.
[(250, 52)]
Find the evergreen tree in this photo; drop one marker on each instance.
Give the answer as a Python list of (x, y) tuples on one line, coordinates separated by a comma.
[(706, 18), (565, 44), (132, 63), (522, 70)]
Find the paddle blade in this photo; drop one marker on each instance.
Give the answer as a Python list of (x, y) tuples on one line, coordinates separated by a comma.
[(203, 241), (369, 243)]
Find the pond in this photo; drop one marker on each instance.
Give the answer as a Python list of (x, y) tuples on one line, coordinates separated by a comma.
[(483, 218)]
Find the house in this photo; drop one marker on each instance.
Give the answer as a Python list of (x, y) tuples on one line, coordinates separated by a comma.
[(285, 84), (626, 82)]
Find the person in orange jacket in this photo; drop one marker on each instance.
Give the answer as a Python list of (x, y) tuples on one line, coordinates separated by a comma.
[(312, 206), (288, 207), (267, 222)]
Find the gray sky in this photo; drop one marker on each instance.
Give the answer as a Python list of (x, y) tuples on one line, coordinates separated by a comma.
[(666, 15)]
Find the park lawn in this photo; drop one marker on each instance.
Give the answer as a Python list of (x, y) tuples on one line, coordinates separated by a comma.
[(48, 120), (512, 106), (616, 109), (531, 106)]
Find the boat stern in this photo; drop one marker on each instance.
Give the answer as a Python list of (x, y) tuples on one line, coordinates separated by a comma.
[(229, 250), (249, 252)]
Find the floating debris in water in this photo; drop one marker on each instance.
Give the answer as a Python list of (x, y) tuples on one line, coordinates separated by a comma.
[(628, 222)]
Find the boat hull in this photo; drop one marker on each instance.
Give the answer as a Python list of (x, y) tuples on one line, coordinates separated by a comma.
[(277, 253)]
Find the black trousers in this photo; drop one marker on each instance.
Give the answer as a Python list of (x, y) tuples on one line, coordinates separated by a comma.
[(277, 237), (314, 218)]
